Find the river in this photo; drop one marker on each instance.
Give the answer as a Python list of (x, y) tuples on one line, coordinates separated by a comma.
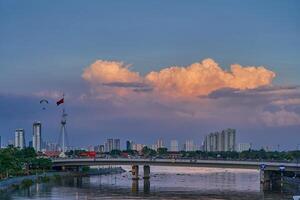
[(165, 183)]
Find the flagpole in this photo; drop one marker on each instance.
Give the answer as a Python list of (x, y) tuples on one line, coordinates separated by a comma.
[(63, 125)]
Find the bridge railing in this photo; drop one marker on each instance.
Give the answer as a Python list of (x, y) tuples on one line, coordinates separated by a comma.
[(251, 164)]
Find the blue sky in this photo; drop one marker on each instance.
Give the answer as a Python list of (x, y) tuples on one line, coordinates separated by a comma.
[(45, 45)]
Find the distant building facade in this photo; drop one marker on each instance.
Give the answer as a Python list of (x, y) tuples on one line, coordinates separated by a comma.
[(109, 145), (20, 138), (37, 136), (221, 141), (160, 143), (174, 146), (129, 145), (138, 147), (112, 144), (189, 145), (243, 147), (116, 145)]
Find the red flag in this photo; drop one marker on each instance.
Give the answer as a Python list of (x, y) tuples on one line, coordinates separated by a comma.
[(60, 101)]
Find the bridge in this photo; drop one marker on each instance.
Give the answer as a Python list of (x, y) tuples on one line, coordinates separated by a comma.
[(271, 173)]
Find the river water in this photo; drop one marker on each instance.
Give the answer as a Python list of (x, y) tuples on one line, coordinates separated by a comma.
[(165, 183)]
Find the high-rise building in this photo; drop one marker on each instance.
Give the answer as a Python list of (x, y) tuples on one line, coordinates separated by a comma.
[(243, 147), (220, 141), (116, 145), (37, 136), (109, 145), (112, 144), (174, 145), (0, 142), (189, 145), (230, 141), (160, 143), (129, 145), (20, 138)]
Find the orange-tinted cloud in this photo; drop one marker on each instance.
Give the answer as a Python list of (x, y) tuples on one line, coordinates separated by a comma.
[(109, 71), (197, 79), (205, 77)]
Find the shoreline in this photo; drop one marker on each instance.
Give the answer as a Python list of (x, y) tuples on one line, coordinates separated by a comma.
[(14, 183), (10, 184)]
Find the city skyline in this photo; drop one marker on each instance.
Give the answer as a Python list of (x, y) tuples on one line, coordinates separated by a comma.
[(133, 71)]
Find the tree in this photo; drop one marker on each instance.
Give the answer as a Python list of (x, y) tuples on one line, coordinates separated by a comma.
[(162, 151), (115, 153), (147, 152)]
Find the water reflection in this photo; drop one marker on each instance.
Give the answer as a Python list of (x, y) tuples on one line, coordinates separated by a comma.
[(164, 183), (135, 186)]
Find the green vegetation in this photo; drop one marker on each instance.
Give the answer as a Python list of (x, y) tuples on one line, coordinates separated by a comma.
[(16, 162), (147, 152), (245, 155)]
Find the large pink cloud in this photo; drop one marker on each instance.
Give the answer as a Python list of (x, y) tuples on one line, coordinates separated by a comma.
[(205, 77), (195, 80)]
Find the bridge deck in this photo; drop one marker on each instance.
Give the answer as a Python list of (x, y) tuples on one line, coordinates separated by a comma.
[(295, 167)]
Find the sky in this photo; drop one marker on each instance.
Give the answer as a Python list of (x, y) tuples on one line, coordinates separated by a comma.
[(144, 70)]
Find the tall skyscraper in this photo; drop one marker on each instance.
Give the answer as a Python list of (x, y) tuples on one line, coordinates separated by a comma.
[(37, 136), (189, 145), (160, 143), (0, 142), (220, 141), (129, 144), (230, 143), (174, 145), (109, 145), (116, 145), (20, 138)]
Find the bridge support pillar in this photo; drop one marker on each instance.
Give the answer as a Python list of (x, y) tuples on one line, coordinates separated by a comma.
[(147, 186), (135, 172), (271, 180), (146, 172)]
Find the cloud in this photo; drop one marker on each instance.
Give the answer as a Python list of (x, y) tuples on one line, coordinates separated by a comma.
[(197, 79), (126, 85), (280, 118), (203, 78), (243, 95), (109, 71)]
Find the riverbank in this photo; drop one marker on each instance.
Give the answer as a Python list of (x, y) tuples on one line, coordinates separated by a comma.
[(10, 184), (13, 183)]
